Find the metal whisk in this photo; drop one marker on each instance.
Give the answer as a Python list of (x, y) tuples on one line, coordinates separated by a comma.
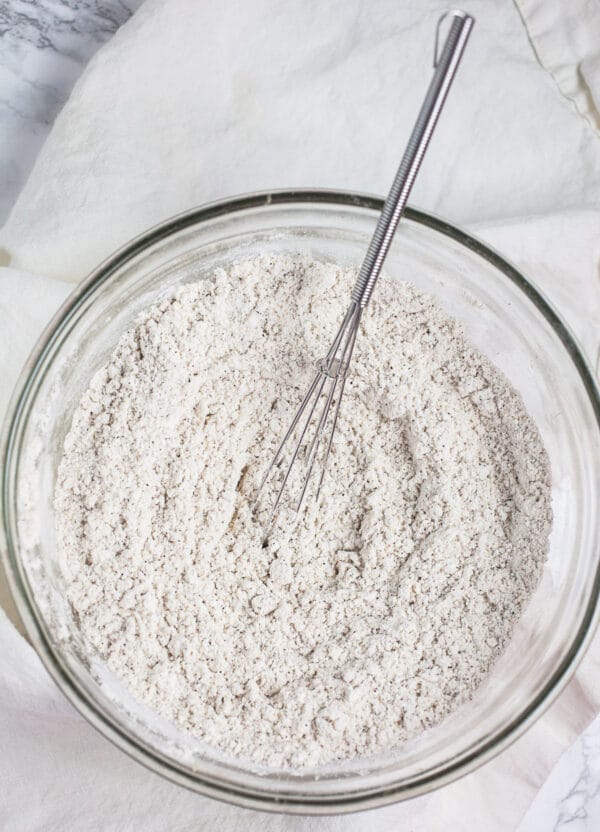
[(327, 386)]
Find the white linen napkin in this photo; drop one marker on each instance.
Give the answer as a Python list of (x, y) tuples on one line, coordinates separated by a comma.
[(195, 101)]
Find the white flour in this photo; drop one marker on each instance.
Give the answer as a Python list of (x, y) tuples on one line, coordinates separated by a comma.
[(385, 607)]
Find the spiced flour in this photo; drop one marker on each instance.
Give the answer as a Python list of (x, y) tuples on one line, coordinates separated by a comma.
[(385, 605)]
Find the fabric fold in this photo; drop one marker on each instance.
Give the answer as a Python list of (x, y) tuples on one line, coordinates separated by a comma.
[(194, 101)]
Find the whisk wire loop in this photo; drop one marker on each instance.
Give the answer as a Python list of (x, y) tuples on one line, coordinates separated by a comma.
[(329, 382)]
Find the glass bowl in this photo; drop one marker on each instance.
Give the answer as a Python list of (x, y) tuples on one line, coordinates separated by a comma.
[(503, 314)]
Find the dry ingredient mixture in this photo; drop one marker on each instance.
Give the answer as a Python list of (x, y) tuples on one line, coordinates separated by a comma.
[(385, 606)]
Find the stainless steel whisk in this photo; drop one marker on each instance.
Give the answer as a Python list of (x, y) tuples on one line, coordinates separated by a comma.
[(329, 381)]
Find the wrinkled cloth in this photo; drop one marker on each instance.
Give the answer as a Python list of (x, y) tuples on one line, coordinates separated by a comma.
[(196, 101), (191, 102)]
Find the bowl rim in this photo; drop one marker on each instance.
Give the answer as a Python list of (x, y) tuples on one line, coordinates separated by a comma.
[(11, 439)]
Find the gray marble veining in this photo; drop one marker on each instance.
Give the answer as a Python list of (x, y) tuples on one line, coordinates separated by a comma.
[(44, 45), (569, 800)]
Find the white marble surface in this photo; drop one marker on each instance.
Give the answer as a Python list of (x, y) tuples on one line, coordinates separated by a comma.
[(570, 797), (44, 46)]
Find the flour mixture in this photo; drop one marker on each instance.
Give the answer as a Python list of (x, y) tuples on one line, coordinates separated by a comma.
[(385, 606)]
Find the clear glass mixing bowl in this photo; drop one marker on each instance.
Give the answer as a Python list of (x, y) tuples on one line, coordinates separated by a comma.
[(508, 320)]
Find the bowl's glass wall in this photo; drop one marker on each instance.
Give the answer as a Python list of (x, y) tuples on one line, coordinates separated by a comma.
[(503, 322)]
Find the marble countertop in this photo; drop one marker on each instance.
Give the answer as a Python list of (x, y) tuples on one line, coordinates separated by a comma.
[(45, 44), (44, 47)]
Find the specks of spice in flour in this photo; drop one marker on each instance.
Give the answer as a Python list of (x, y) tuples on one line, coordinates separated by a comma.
[(386, 605)]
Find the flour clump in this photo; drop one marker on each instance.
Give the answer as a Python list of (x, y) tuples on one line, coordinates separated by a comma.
[(386, 604)]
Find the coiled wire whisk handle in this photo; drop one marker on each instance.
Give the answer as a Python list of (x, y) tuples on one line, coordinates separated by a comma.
[(445, 64)]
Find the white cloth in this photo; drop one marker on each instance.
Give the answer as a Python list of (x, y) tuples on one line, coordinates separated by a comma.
[(565, 39), (194, 101), (197, 101)]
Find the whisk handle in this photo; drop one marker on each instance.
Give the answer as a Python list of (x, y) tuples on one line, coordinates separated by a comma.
[(445, 64)]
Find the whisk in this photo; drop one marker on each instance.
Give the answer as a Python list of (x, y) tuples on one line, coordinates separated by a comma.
[(327, 387)]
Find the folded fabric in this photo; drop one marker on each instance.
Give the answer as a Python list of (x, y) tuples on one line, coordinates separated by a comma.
[(565, 39), (191, 102)]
